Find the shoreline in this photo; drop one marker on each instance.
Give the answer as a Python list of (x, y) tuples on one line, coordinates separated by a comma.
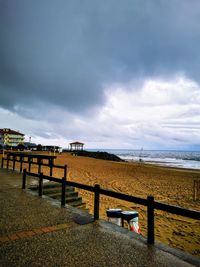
[(168, 185), (160, 164), (179, 159)]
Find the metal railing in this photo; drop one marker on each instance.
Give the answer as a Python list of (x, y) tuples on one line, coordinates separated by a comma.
[(149, 202)]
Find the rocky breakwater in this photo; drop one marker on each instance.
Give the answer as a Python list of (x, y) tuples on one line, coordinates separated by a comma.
[(98, 155)]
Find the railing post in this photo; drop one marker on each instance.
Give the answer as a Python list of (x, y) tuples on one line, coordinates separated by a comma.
[(51, 169), (65, 172), (29, 164), (63, 200), (8, 161), (96, 201), (150, 220), (40, 184), (198, 189), (194, 191), (21, 163), (13, 163), (122, 222), (24, 179), (39, 165), (2, 161)]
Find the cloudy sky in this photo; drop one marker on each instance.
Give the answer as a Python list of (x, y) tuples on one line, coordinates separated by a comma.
[(110, 73)]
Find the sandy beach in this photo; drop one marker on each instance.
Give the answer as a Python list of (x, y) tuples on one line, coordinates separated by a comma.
[(167, 185)]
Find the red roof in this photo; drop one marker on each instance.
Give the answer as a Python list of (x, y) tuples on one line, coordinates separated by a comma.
[(9, 131)]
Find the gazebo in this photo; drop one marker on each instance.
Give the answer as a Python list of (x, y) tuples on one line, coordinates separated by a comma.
[(74, 146)]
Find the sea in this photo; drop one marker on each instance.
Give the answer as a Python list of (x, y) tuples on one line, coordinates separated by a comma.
[(170, 158)]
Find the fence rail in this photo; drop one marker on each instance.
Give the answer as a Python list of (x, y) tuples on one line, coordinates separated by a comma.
[(149, 202), (122, 196), (30, 163)]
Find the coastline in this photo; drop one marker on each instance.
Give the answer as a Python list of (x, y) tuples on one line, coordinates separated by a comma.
[(163, 165), (167, 184), (173, 158)]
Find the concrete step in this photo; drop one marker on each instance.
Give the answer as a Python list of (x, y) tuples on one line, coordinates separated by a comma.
[(68, 199), (58, 194), (51, 185), (57, 189), (73, 199), (82, 206), (53, 190), (74, 202)]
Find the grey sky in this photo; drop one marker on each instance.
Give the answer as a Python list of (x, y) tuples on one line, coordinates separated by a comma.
[(63, 57)]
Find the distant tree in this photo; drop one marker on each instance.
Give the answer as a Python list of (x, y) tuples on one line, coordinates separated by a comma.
[(21, 147), (39, 147), (7, 147)]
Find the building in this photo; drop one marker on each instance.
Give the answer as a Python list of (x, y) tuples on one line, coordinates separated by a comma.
[(74, 146), (51, 148), (10, 137)]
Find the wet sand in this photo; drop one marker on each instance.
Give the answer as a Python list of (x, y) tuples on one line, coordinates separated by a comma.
[(167, 185)]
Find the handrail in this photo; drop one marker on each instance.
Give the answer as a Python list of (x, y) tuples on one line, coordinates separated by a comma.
[(39, 164), (123, 196), (58, 180), (81, 186), (32, 174), (149, 202), (193, 214)]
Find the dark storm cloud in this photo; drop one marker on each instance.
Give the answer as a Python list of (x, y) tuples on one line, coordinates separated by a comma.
[(64, 52)]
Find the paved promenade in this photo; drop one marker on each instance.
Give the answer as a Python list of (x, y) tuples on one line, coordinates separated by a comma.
[(37, 232)]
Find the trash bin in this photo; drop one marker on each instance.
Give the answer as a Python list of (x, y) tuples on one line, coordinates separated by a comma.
[(132, 218), (114, 216)]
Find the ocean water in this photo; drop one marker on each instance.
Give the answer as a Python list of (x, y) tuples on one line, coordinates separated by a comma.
[(178, 159)]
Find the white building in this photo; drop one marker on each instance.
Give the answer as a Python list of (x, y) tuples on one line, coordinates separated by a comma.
[(10, 137)]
